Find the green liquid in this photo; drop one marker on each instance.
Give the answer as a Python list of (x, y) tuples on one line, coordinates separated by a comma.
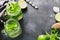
[(12, 28), (12, 25), (14, 11)]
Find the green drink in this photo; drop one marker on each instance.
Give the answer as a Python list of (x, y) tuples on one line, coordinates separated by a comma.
[(13, 10), (12, 28)]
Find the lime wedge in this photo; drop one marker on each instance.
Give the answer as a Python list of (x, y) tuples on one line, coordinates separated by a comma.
[(22, 4), (57, 16), (20, 17)]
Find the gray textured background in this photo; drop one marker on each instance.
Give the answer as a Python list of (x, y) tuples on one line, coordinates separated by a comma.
[(36, 21)]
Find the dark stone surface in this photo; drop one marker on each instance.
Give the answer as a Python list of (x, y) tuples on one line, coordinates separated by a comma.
[(36, 21)]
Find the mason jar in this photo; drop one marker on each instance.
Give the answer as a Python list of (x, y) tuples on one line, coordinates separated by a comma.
[(13, 10), (12, 28)]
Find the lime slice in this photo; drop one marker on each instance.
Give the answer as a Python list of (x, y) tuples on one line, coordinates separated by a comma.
[(57, 16), (12, 28), (22, 4)]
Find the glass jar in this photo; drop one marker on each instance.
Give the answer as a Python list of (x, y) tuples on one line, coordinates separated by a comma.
[(13, 10), (12, 28)]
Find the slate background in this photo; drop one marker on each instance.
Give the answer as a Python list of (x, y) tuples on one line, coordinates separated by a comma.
[(36, 21)]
